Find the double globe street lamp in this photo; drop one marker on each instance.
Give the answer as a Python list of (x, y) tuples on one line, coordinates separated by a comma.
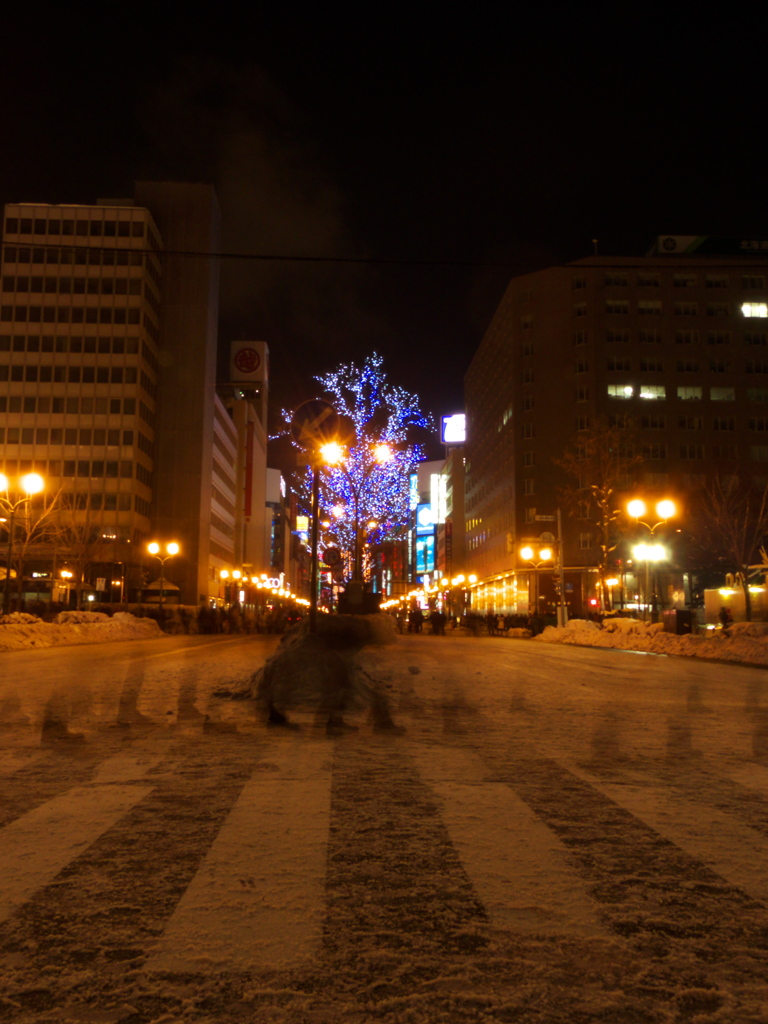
[(638, 510), (155, 549), (536, 558), (29, 485)]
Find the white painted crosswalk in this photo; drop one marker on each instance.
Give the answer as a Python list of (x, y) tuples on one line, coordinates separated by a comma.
[(35, 847), (257, 900), (731, 849), (521, 871), (258, 897)]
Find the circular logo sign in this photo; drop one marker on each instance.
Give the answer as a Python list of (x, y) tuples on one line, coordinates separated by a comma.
[(247, 360)]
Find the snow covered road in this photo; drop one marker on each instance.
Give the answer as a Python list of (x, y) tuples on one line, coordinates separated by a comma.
[(552, 834)]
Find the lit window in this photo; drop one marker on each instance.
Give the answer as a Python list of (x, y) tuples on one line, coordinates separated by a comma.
[(689, 393), (653, 391), (758, 309), (620, 391)]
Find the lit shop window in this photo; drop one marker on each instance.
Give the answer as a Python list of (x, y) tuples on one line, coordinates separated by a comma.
[(758, 309)]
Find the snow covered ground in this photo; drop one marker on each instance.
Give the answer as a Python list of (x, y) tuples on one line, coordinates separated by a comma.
[(548, 835), (19, 631), (745, 642)]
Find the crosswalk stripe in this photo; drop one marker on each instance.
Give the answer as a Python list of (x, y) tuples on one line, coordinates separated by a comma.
[(753, 776), (36, 846), (518, 867), (734, 851), (257, 899)]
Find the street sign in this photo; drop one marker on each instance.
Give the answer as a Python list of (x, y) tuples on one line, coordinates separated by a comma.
[(331, 556), (314, 422)]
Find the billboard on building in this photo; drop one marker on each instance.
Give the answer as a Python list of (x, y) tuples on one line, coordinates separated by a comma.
[(453, 429), (248, 362)]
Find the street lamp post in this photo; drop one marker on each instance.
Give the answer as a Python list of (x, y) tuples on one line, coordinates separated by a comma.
[(30, 484), (536, 559), (333, 455), (649, 553), (665, 510), (154, 549)]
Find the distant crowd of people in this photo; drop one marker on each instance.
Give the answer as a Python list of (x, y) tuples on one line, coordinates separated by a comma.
[(416, 620)]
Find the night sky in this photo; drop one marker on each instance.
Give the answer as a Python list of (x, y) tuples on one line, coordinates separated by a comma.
[(421, 159)]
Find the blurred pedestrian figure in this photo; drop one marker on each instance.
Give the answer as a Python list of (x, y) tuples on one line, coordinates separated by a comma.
[(726, 619)]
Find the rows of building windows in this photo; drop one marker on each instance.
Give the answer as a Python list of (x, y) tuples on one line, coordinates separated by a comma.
[(92, 228), (110, 469), (110, 501), (73, 285), (51, 343), (654, 364), (111, 437), (73, 405), (221, 499), (68, 256), (47, 374), (657, 391), (71, 315), (653, 336), (652, 279), (654, 307), (98, 224), (224, 528), (660, 422)]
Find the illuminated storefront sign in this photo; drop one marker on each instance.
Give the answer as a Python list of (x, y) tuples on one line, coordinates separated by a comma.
[(453, 429)]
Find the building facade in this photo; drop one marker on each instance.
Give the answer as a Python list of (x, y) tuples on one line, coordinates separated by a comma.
[(673, 345), (108, 344)]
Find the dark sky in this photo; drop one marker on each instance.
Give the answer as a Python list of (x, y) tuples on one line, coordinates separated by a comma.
[(446, 150)]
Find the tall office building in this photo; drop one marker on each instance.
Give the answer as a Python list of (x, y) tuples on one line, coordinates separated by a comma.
[(108, 340), (674, 343)]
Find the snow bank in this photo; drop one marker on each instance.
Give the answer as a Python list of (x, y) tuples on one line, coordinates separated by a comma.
[(20, 631), (745, 642)]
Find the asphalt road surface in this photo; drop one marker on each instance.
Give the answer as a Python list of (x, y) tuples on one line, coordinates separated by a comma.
[(506, 832)]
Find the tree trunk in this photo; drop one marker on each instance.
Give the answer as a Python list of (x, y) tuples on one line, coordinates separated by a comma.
[(747, 596)]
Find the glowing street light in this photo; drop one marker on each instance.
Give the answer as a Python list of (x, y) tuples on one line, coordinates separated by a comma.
[(637, 509), (171, 549), (29, 485), (665, 510), (536, 558)]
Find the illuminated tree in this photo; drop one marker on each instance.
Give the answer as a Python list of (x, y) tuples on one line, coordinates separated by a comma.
[(367, 493)]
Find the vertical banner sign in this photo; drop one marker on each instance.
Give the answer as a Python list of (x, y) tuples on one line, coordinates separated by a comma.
[(248, 471)]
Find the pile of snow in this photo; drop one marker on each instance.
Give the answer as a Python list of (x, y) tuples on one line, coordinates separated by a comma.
[(320, 670), (20, 631), (743, 642), (18, 619), (71, 618)]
